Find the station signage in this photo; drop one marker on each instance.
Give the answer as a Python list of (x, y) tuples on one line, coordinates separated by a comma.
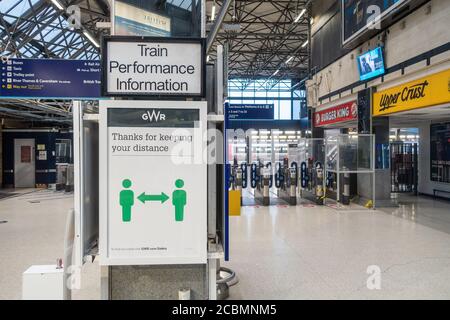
[(50, 78), (153, 193), (424, 92), (132, 21), (153, 67), (341, 113), (253, 112)]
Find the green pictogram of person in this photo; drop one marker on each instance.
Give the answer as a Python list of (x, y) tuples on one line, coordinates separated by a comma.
[(126, 200), (179, 200)]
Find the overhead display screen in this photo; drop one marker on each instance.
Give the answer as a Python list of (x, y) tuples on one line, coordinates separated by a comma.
[(357, 15), (255, 112), (371, 64), (132, 21), (440, 152)]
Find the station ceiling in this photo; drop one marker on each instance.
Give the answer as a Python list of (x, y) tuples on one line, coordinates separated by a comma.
[(38, 29), (266, 39)]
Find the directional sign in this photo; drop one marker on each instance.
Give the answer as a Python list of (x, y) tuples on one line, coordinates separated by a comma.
[(255, 112), (159, 197), (50, 78), (153, 207)]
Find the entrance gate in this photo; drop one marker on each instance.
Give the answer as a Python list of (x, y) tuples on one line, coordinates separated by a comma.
[(404, 167)]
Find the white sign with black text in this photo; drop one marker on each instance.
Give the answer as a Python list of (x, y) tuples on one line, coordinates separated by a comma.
[(143, 66)]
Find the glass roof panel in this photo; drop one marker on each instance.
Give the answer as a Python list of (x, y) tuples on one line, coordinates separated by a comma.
[(47, 28)]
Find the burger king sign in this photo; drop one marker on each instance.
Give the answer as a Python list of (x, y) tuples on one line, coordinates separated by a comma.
[(340, 113)]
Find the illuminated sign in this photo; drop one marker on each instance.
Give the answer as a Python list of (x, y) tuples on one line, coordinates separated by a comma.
[(341, 113), (371, 64), (425, 92), (50, 78), (247, 112)]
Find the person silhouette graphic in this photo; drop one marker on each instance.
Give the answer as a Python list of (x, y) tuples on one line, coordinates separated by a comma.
[(179, 200), (126, 200), (366, 68)]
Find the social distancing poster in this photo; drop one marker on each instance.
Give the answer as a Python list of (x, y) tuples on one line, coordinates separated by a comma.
[(154, 208)]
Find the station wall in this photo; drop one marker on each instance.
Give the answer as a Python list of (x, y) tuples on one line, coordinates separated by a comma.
[(45, 169), (421, 31)]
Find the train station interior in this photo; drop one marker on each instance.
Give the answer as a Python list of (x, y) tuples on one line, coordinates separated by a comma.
[(224, 150)]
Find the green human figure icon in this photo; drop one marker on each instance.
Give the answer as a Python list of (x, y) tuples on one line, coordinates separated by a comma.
[(179, 200), (126, 200)]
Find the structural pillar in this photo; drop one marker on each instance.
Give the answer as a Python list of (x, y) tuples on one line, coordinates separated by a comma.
[(378, 126)]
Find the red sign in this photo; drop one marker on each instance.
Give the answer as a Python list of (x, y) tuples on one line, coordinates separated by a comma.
[(341, 113)]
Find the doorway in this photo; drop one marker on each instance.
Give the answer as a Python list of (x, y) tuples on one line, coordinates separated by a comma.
[(404, 167), (24, 163)]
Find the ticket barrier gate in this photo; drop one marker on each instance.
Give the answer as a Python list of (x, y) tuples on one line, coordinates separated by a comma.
[(345, 197), (262, 181), (286, 181), (239, 177), (331, 187), (312, 181)]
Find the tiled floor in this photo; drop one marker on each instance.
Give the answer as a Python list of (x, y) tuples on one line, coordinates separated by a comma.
[(423, 210), (278, 252), (320, 253), (34, 235)]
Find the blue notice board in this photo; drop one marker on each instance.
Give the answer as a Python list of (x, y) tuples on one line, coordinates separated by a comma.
[(255, 112), (50, 78)]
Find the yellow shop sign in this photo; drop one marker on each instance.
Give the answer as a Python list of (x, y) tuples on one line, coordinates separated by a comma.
[(426, 92)]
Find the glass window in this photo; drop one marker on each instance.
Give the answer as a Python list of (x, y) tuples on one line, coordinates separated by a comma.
[(248, 94), (276, 104), (287, 103), (285, 110), (296, 109), (285, 94), (260, 94)]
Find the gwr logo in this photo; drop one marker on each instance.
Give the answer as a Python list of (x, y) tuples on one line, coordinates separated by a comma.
[(153, 116)]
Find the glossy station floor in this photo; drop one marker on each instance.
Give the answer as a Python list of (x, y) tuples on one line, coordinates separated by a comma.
[(279, 252)]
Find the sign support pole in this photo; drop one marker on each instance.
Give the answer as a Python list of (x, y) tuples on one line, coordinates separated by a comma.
[(116, 280)]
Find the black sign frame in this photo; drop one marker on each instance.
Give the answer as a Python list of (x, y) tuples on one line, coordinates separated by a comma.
[(151, 96)]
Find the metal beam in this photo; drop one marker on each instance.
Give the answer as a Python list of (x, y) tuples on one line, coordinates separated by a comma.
[(218, 24)]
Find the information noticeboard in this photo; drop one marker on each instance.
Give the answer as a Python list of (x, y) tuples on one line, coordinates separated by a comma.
[(254, 112), (50, 78), (153, 67), (153, 192)]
